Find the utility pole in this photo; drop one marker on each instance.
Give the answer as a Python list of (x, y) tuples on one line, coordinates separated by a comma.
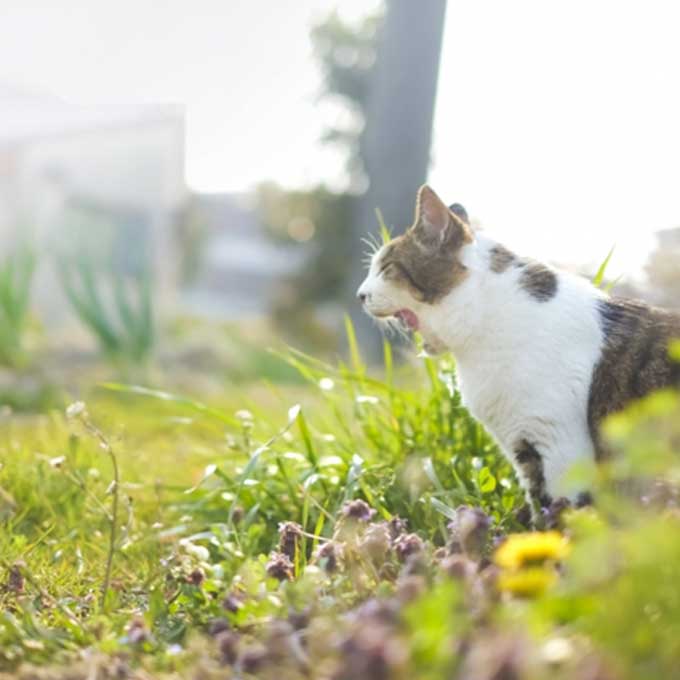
[(398, 134)]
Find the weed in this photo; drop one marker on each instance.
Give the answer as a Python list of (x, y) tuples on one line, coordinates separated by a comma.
[(116, 309), (367, 531), (16, 275)]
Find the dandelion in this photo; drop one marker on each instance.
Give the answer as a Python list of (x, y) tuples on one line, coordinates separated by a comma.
[(535, 548), (528, 582)]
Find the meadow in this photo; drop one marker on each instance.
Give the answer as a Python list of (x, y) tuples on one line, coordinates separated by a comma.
[(352, 524)]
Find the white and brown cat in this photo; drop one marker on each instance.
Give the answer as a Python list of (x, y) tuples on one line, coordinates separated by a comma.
[(542, 355)]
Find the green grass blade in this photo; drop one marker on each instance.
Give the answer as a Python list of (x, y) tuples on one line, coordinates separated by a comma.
[(192, 404), (599, 276)]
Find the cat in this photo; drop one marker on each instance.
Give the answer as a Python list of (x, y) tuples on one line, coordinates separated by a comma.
[(542, 355)]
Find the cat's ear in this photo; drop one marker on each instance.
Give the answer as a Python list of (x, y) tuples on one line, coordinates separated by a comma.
[(436, 225), (458, 210)]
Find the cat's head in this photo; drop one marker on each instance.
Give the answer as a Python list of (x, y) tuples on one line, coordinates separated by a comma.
[(420, 267)]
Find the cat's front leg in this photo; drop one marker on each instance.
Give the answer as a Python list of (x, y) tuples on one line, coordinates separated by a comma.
[(530, 466), (544, 474)]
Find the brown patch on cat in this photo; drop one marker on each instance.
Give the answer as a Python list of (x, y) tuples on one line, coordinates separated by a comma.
[(536, 279), (530, 463), (425, 259), (428, 276), (539, 281), (634, 361), (501, 258)]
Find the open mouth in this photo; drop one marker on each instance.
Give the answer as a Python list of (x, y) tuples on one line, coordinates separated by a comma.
[(407, 318)]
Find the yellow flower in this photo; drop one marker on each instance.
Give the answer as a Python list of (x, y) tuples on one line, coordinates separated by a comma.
[(534, 548), (526, 582)]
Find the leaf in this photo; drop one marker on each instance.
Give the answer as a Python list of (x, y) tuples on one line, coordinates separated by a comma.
[(208, 472), (486, 481), (354, 353), (307, 439), (612, 284), (293, 413), (431, 473), (173, 398), (385, 234), (353, 475), (599, 276), (443, 508)]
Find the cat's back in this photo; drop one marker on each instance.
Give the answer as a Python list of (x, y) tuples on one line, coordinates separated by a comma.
[(635, 358)]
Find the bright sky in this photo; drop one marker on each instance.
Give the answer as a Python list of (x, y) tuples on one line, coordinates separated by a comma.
[(557, 124)]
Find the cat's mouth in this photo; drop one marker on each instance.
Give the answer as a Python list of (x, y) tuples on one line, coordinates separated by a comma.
[(407, 318)]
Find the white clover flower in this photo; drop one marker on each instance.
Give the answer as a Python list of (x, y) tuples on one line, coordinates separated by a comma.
[(76, 409), (367, 399), (198, 551)]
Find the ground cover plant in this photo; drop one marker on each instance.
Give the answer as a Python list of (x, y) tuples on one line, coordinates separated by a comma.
[(16, 276), (363, 526)]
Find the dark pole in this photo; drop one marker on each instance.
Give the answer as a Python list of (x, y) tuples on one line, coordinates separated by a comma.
[(398, 133)]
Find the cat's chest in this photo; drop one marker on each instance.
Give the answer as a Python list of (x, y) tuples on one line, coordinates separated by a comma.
[(489, 392)]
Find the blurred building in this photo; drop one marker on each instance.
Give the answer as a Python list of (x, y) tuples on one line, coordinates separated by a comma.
[(107, 180), (242, 267)]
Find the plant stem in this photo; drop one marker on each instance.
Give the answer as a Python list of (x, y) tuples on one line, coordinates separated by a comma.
[(97, 433), (114, 528)]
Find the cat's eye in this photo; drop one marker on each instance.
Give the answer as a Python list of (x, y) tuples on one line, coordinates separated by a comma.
[(386, 267)]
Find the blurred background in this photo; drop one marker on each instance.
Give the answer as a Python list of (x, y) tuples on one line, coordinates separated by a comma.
[(184, 185)]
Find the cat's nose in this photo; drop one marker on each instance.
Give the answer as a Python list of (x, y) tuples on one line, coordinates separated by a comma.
[(362, 297)]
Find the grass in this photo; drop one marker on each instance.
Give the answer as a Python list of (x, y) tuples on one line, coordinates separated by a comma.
[(347, 529), (16, 276), (116, 309)]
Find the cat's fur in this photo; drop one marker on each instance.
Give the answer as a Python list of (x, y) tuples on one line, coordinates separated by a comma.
[(542, 355)]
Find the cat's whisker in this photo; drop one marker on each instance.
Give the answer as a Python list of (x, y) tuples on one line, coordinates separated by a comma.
[(372, 247), (374, 239)]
